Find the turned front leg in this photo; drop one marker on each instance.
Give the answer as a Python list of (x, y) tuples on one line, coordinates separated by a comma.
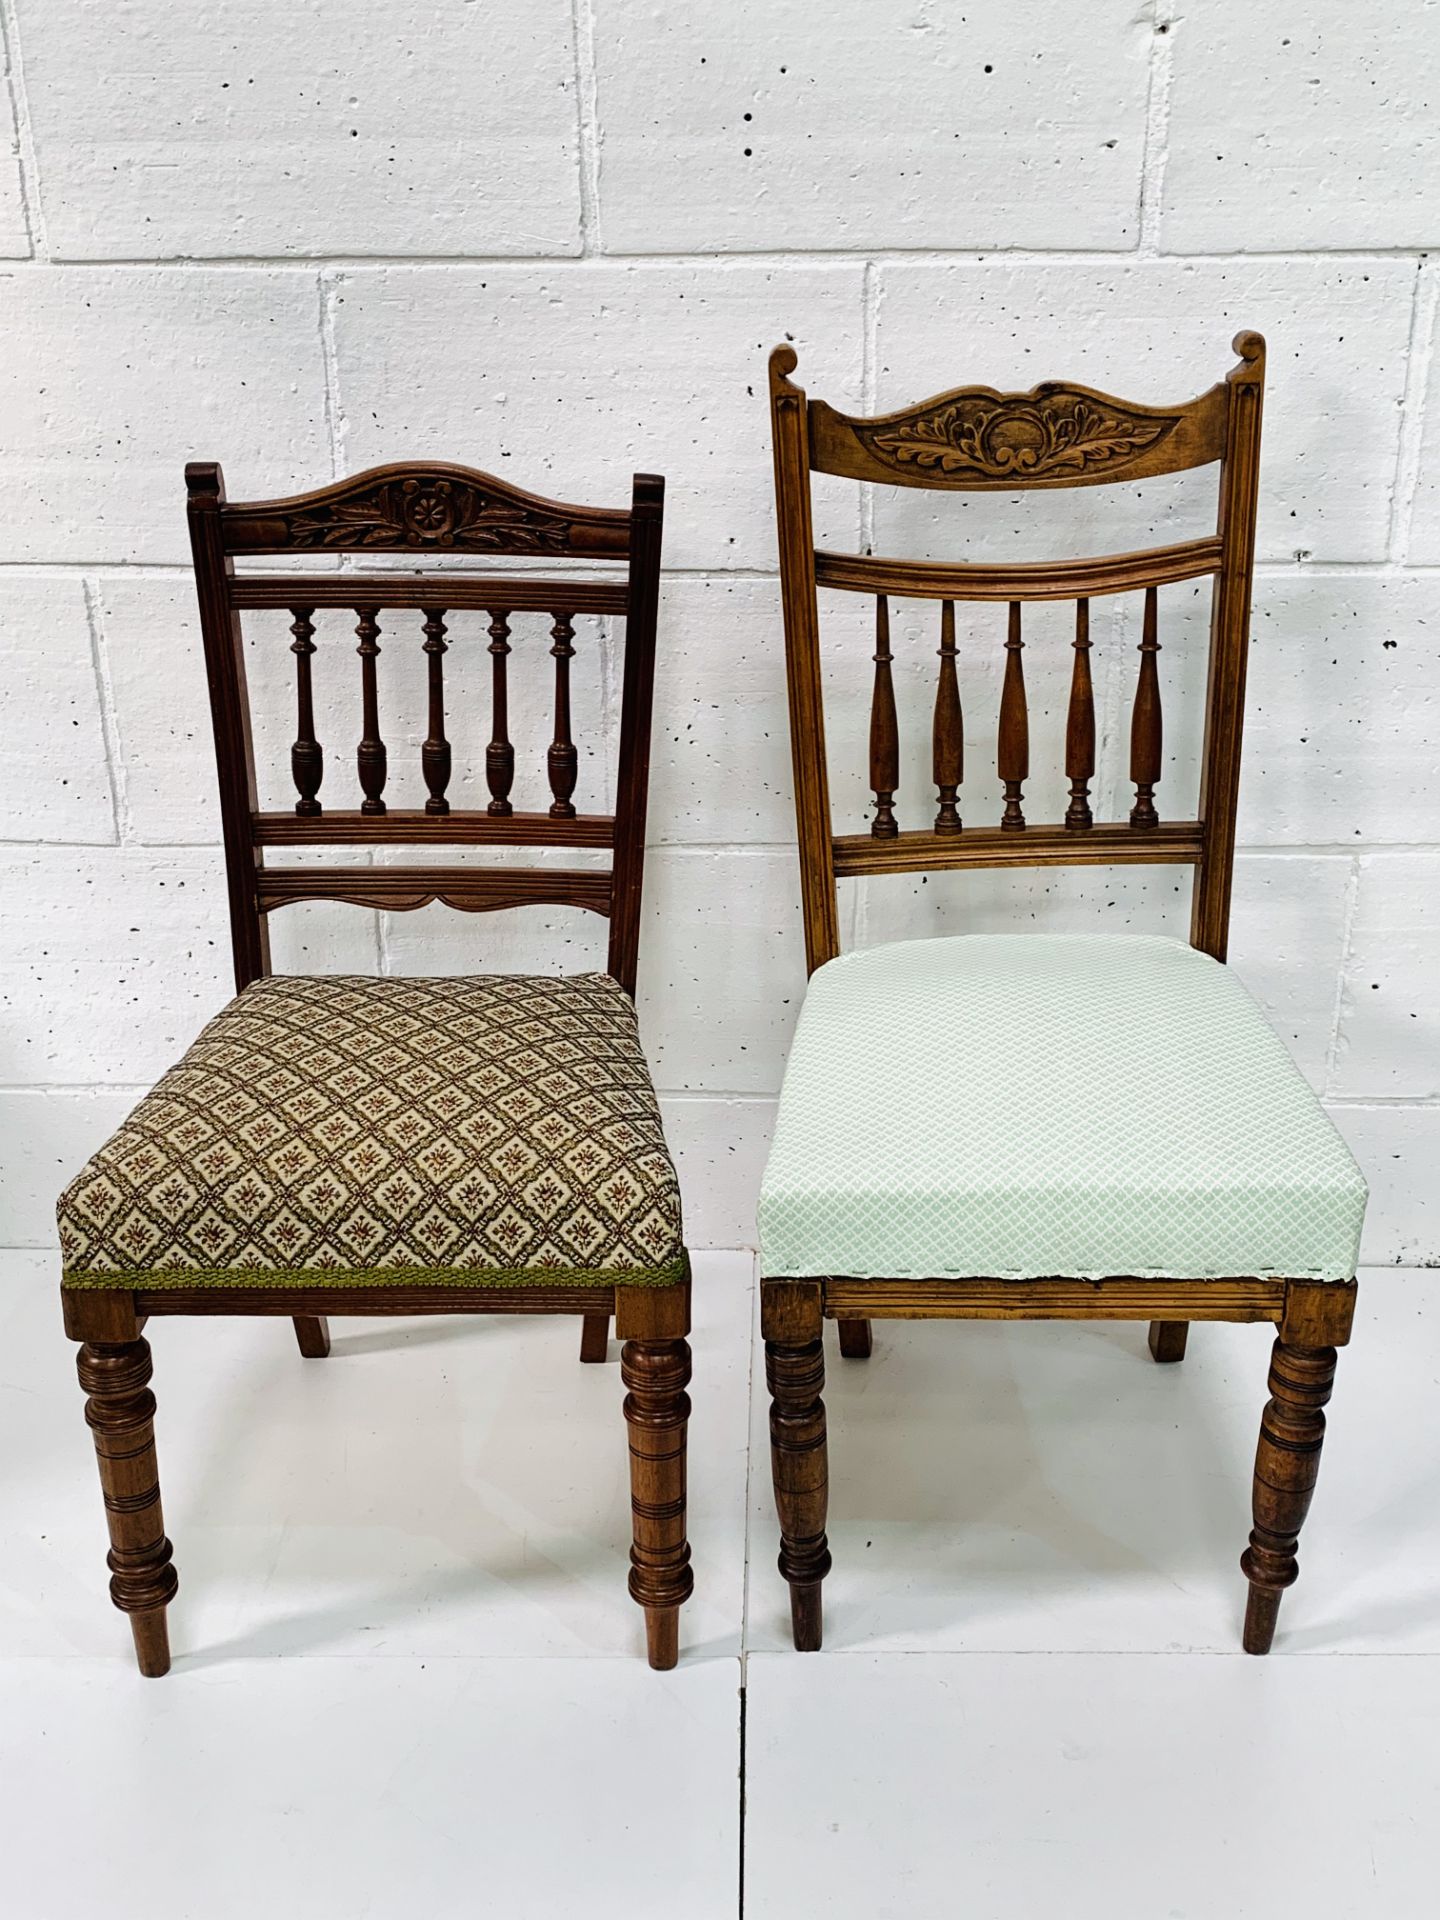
[(657, 1408), (800, 1468), (1287, 1461), (120, 1409)]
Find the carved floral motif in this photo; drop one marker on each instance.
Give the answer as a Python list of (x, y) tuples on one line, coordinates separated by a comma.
[(1019, 437), (435, 512)]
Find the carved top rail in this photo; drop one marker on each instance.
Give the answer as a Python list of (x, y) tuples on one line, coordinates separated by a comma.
[(976, 439), (424, 507)]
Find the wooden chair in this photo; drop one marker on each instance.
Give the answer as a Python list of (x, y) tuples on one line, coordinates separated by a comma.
[(1039, 1126), (337, 1145)]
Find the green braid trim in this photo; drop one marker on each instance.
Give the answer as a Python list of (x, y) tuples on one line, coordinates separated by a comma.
[(462, 1279)]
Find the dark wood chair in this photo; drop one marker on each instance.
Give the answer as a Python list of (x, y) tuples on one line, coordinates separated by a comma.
[(490, 1144), (1039, 1126)]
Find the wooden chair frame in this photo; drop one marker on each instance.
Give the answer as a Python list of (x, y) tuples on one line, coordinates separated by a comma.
[(419, 509), (976, 439)]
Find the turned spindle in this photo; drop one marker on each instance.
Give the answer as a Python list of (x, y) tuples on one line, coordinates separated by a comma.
[(947, 734), (561, 760), (1080, 725), (370, 759), (884, 730), (435, 752), (1145, 729), (499, 755), (307, 760), (1014, 745)]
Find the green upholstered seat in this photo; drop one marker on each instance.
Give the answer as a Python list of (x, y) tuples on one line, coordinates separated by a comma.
[(1021, 1106), (487, 1131)]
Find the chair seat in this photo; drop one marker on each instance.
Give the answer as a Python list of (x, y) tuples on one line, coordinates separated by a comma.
[(1023, 1106), (489, 1131)]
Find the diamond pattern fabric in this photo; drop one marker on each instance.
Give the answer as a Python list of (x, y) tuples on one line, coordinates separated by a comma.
[(490, 1131), (1023, 1106)]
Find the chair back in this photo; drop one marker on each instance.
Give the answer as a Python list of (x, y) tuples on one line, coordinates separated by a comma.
[(977, 440), (420, 511)]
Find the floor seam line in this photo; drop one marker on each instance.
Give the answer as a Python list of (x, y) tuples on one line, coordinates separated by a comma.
[(743, 1730), (745, 1577)]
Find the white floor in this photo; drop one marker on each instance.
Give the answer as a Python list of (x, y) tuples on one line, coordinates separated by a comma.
[(408, 1679)]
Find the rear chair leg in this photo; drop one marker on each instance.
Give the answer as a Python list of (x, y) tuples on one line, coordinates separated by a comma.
[(595, 1337), (1167, 1339), (313, 1335), (120, 1409), (854, 1339), (1287, 1461)]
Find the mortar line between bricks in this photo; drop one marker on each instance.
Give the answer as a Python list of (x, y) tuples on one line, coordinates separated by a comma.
[(31, 205), (1335, 569), (381, 929), (1264, 569), (1119, 672), (587, 126), (1419, 353), (869, 331), (132, 1090), (109, 722), (795, 257), (335, 426), (1249, 850), (1347, 849), (1389, 1102), (1342, 974), (611, 689), (1155, 149)]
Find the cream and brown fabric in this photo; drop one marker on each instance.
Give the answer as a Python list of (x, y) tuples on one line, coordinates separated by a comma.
[(497, 1130)]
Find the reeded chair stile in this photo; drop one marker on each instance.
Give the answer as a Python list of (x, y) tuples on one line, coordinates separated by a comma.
[(1072, 1126), (486, 1144)]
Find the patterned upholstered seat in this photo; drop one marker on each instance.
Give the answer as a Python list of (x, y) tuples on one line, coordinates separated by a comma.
[(490, 1131), (1023, 1106)]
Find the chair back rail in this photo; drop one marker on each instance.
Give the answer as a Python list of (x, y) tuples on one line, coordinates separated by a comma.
[(977, 439), (420, 510)]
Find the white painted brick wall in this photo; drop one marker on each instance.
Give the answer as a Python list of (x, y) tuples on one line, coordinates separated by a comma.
[(759, 126), (244, 127), (557, 238), (1295, 127)]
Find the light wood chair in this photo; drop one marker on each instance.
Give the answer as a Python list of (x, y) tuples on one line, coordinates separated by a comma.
[(1039, 1126), (487, 1144)]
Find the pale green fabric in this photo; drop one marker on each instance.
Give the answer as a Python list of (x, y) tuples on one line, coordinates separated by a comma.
[(1016, 1106)]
